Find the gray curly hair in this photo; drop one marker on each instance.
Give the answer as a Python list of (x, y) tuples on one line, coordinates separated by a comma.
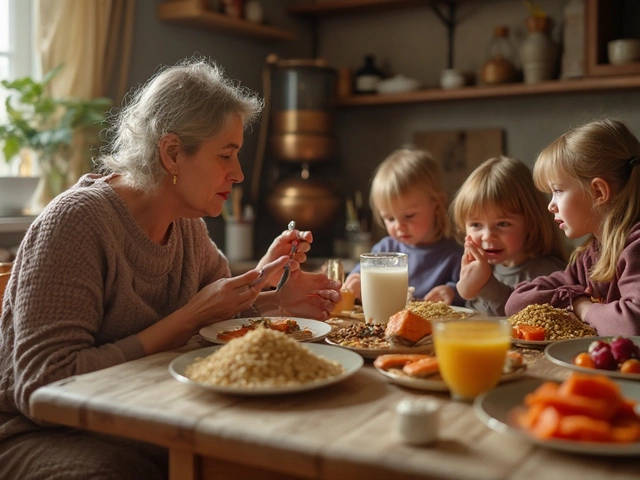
[(192, 99)]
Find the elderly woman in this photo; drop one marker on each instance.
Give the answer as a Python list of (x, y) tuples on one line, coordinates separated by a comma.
[(121, 266)]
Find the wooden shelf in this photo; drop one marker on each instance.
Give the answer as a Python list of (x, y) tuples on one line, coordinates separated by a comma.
[(339, 7), (194, 14), (16, 224), (509, 90)]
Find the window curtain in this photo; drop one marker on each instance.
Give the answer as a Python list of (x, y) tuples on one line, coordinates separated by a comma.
[(92, 39)]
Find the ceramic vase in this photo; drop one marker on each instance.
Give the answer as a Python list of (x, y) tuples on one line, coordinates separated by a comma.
[(538, 52)]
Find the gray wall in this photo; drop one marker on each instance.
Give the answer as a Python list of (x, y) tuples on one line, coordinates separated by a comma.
[(411, 42)]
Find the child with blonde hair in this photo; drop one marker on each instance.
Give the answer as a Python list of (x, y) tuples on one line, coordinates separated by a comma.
[(509, 235), (593, 172), (408, 200)]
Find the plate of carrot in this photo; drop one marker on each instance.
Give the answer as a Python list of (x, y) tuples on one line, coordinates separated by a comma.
[(586, 414), (421, 371)]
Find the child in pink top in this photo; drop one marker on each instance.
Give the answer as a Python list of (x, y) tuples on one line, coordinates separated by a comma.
[(593, 173)]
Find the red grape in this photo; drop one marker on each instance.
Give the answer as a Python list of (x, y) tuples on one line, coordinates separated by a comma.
[(596, 344), (622, 349), (603, 358)]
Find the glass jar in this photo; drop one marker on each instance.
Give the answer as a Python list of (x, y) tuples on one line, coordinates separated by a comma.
[(501, 64), (368, 76)]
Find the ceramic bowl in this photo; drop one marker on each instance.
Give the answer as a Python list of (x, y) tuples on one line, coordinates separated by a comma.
[(15, 194), (398, 84), (626, 50)]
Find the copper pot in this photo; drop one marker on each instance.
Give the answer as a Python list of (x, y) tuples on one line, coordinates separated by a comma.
[(303, 121), (303, 147), (311, 203)]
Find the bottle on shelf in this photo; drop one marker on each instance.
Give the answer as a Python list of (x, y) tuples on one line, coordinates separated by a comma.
[(367, 77), (501, 64)]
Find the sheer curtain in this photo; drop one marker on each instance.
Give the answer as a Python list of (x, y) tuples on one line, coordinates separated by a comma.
[(92, 39)]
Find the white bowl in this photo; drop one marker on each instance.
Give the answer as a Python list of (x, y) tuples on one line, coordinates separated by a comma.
[(398, 84), (15, 194), (625, 50)]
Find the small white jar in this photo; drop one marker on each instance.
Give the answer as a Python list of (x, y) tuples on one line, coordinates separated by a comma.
[(417, 420), (253, 11), (451, 78)]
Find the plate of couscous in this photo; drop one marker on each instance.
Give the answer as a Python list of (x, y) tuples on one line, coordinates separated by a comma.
[(537, 326), (265, 362)]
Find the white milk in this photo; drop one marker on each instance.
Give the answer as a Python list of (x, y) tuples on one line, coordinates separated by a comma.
[(384, 292)]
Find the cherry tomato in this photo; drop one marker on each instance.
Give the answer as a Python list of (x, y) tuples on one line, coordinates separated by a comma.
[(584, 360), (631, 366)]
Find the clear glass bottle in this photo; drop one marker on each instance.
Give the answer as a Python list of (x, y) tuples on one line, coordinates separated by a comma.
[(502, 60), (367, 76)]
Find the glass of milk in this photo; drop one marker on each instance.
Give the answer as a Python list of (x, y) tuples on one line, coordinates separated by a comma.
[(384, 279)]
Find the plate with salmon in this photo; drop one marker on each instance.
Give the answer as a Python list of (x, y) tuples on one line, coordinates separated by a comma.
[(406, 332), (302, 329), (420, 371)]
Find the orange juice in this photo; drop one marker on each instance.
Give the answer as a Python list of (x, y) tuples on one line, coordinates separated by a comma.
[(471, 354), (346, 304)]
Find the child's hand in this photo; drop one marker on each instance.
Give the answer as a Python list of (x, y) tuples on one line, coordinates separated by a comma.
[(475, 270), (352, 282), (581, 306), (441, 293)]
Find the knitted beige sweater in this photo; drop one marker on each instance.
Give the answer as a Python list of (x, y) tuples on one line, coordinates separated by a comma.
[(87, 279)]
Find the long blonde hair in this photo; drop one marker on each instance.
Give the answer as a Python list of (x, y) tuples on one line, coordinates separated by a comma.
[(604, 149), (506, 184), (402, 170)]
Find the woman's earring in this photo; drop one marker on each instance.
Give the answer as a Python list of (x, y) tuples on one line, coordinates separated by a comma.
[(175, 178)]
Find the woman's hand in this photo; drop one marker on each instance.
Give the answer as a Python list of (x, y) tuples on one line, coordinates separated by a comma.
[(475, 270), (282, 245), (225, 298), (441, 293), (309, 295)]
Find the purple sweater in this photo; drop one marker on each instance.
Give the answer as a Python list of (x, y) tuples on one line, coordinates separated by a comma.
[(619, 312)]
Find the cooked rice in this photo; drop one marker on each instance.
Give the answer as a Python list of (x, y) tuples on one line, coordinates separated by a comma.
[(558, 323), (262, 358)]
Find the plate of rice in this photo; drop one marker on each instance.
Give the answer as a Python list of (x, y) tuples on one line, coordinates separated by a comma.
[(265, 362)]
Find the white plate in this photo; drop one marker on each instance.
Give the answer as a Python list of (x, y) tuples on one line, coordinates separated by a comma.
[(358, 315), (350, 361), (210, 332), (470, 311), (563, 352), (493, 408), (435, 382), (375, 352), (532, 343)]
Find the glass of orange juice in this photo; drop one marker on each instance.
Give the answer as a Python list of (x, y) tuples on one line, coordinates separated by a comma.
[(471, 353), (335, 271)]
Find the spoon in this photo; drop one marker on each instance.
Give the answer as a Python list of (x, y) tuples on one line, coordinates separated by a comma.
[(287, 268)]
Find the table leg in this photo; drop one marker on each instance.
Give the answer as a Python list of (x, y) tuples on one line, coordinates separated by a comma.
[(183, 465)]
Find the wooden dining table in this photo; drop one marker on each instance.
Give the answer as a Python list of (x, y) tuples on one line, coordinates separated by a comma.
[(344, 431)]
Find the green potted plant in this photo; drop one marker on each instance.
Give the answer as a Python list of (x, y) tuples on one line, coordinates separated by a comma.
[(46, 125)]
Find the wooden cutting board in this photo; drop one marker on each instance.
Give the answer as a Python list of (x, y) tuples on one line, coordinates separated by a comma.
[(459, 152)]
